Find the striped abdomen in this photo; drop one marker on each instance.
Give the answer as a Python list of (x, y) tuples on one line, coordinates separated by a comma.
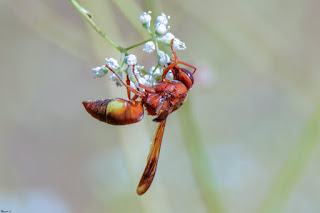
[(115, 111)]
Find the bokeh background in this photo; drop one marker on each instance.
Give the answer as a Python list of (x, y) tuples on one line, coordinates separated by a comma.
[(246, 141)]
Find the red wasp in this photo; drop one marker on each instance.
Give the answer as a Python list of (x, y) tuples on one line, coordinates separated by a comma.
[(166, 97)]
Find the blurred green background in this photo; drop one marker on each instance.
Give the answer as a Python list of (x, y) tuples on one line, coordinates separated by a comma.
[(246, 141)]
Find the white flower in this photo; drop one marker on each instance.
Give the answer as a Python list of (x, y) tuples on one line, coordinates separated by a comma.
[(134, 75), (136, 71), (164, 59), (131, 59), (167, 38), (142, 81), (149, 47), (155, 72), (139, 67), (112, 63), (163, 19), (169, 75), (99, 72), (178, 45), (149, 80), (113, 77), (161, 28), (146, 80), (145, 19)]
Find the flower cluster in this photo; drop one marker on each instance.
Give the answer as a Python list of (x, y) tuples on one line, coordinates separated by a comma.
[(129, 64)]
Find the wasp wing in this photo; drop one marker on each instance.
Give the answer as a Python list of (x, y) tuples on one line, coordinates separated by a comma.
[(152, 162)]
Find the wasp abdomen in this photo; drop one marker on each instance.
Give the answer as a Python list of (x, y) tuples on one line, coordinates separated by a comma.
[(115, 111)]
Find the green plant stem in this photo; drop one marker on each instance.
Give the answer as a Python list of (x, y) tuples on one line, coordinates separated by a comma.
[(88, 16), (200, 161), (138, 44), (149, 31), (296, 162), (122, 59), (154, 38)]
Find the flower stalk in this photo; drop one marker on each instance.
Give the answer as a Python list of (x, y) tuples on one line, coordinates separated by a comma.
[(138, 44), (88, 17)]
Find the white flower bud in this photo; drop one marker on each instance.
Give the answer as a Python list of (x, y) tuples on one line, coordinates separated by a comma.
[(164, 59), (167, 38), (142, 81), (139, 67), (112, 63), (149, 80), (163, 19), (136, 71), (155, 72), (178, 45), (113, 77), (145, 19), (99, 72), (169, 75), (161, 28), (133, 74), (149, 47), (131, 59)]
